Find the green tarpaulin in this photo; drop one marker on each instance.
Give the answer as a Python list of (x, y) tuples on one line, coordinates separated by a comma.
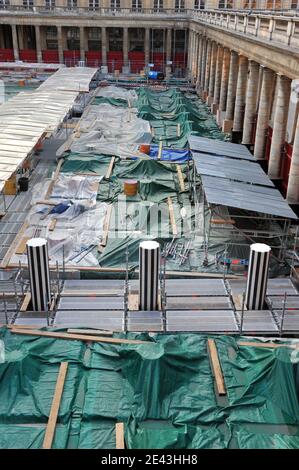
[(163, 391)]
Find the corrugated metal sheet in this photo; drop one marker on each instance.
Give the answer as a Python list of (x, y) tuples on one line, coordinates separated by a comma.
[(254, 198), (218, 147), (236, 170)]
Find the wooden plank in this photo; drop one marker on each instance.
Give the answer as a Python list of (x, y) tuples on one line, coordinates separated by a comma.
[(96, 339), (223, 221), (106, 227), (84, 293), (266, 345), (51, 426), (110, 168), (47, 202), (119, 434), (22, 246), (25, 302), (178, 130), (133, 302), (11, 250), (83, 331), (216, 367), (160, 150), (55, 176), (181, 178), (171, 216), (52, 225), (238, 301), (24, 327)]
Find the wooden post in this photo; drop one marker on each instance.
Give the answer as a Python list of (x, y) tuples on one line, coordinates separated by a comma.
[(50, 430), (216, 367)]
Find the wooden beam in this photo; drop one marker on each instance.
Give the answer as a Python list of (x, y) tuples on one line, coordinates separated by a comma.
[(106, 227), (119, 434), (160, 149), (22, 246), (96, 339), (253, 344), (47, 202), (171, 216), (13, 246), (83, 331), (216, 367), (71, 293), (181, 178), (238, 301), (25, 302), (133, 302), (223, 221), (110, 168), (178, 130), (51, 426), (52, 225), (55, 176)]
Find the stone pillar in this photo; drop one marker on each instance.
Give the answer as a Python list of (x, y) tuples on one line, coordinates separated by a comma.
[(280, 124), (293, 183), (251, 97), (224, 80), (60, 46), (82, 43), (104, 45), (207, 70), (240, 94), (212, 73), (231, 92), (216, 94), (15, 41), (203, 62), (189, 50), (168, 45), (263, 114), (126, 46), (38, 44), (147, 46), (197, 44), (198, 70)]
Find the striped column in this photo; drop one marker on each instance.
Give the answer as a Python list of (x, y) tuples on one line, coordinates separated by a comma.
[(149, 260), (257, 276), (39, 275)]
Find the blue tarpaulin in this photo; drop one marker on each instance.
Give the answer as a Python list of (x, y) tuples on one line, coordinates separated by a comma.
[(179, 156)]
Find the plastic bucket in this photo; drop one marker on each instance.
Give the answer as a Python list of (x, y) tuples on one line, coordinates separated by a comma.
[(145, 148), (130, 187), (23, 183)]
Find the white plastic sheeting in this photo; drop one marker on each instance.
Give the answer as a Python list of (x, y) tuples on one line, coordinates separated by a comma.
[(118, 93), (70, 79), (106, 125)]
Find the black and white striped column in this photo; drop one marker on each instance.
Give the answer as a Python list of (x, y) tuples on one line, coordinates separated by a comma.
[(257, 276), (39, 275), (149, 260)]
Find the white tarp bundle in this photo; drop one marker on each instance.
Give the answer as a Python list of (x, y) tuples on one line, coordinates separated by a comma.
[(110, 125)]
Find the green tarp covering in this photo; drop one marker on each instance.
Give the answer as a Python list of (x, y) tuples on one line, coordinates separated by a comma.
[(163, 391), (173, 116)]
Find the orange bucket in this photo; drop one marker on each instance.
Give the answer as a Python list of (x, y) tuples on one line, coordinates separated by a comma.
[(145, 148), (130, 187)]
